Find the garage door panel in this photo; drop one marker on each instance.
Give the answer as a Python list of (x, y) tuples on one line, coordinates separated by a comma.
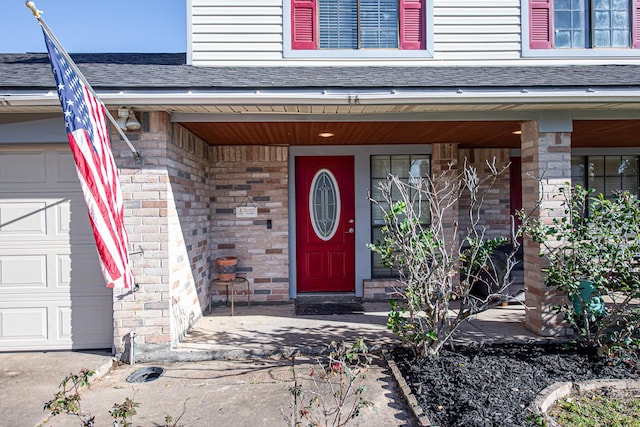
[(20, 218), (19, 272), (65, 168), (37, 169), (56, 322), (74, 220), (32, 271), (52, 293), (44, 217), (34, 217), (81, 271), (23, 167), (23, 323), (53, 270), (87, 321)]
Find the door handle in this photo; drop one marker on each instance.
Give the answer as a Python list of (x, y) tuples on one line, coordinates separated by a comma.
[(350, 231)]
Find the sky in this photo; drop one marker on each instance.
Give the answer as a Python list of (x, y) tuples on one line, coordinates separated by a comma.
[(96, 26)]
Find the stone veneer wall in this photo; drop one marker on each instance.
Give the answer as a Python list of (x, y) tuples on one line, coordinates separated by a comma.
[(242, 175), (166, 208)]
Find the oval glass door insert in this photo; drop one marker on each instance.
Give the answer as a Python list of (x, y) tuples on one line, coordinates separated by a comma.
[(324, 204)]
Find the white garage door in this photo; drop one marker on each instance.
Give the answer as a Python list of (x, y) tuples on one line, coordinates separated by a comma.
[(52, 294)]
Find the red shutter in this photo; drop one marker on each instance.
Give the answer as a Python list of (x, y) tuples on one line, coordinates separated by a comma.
[(304, 34), (412, 25), (635, 27), (540, 24)]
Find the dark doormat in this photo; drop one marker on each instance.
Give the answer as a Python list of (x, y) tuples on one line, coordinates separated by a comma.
[(328, 308)]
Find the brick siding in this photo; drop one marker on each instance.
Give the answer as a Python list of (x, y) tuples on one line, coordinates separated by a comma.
[(258, 175), (189, 215), (180, 213), (546, 156), (166, 214), (494, 215)]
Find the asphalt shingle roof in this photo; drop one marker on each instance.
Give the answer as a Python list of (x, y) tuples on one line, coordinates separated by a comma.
[(168, 71)]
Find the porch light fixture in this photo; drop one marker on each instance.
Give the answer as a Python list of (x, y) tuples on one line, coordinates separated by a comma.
[(326, 134), (127, 119), (132, 122), (517, 132)]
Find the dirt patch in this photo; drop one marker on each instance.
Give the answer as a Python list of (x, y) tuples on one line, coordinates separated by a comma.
[(495, 384)]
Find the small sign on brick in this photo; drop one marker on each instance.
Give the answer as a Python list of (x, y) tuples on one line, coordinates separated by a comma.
[(246, 211)]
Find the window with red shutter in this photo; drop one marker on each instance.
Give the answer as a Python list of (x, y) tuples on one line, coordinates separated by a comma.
[(304, 24), (412, 27), (540, 24), (560, 24), (635, 24), (358, 24)]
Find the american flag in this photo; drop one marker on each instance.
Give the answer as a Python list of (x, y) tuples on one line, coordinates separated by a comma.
[(88, 132)]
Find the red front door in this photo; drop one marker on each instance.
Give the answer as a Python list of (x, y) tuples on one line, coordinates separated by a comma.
[(325, 218)]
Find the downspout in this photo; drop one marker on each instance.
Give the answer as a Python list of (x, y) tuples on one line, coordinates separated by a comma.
[(132, 349)]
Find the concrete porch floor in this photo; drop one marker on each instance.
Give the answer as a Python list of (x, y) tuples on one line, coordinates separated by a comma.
[(230, 392), (275, 331)]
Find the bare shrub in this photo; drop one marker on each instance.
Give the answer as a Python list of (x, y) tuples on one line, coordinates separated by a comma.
[(445, 274)]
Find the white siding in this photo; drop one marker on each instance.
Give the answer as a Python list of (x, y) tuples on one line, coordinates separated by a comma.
[(463, 32), (236, 31), (474, 30)]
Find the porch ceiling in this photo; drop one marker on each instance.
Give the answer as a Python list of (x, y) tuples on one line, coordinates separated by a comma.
[(494, 134)]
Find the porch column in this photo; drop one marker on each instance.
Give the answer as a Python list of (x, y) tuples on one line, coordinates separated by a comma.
[(494, 215), (145, 312), (167, 208), (443, 158), (545, 155)]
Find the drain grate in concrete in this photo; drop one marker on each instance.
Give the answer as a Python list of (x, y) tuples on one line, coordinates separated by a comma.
[(146, 375)]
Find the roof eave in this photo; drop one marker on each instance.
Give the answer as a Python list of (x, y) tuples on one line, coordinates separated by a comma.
[(341, 97)]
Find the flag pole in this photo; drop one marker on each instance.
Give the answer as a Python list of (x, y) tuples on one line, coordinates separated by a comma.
[(36, 13)]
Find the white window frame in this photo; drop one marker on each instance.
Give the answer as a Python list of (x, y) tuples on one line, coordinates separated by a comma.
[(288, 52), (586, 53)]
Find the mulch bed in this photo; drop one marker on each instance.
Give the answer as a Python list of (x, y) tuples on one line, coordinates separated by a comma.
[(495, 384)]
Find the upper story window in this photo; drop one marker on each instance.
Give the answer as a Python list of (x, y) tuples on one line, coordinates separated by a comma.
[(580, 24), (358, 24)]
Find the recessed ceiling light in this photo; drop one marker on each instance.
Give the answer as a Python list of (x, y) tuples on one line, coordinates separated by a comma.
[(325, 134)]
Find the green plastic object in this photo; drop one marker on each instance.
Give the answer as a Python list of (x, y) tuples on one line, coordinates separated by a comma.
[(593, 304)]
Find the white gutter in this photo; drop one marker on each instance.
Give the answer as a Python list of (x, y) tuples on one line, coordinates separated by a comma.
[(343, 97)]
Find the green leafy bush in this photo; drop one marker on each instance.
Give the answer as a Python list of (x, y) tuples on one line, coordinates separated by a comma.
[(593, 254)]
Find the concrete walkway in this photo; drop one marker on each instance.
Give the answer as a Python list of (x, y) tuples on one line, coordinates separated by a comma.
[(248, 383), (275, 331)]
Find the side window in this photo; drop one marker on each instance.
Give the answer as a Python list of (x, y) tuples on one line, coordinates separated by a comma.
[(407, 168), (583, 24), (358, 24), (606, 174)]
